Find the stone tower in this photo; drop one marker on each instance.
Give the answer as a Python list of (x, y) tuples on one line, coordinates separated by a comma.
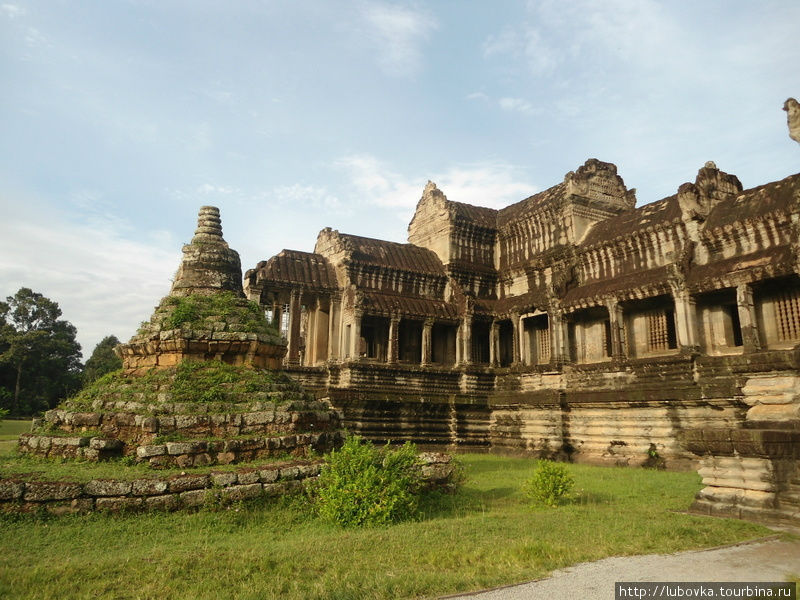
[(209, 265), (206, 315)]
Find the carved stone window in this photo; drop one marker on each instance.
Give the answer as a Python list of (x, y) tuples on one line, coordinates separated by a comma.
[(787, 314), (543, 345), (658, 337), (777, 304), (650, 326)]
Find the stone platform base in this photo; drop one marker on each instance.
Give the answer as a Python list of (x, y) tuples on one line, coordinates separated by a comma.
[(171, 493), (749, 474)]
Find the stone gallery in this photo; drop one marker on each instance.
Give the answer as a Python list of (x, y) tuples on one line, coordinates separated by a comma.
[(571, 324)]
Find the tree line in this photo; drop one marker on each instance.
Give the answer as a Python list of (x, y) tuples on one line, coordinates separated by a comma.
[(40, 359)]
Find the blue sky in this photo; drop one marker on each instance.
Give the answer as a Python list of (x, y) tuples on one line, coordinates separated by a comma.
[(118, 119)]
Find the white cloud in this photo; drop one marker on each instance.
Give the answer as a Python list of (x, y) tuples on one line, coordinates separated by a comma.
[(12, 11), (105, 284), (397, 34), (305, 195), (210, 189), (516, 105), (493, 185), (506, 42), (542, 57), (35, 38), (636, 32), (478, 96)]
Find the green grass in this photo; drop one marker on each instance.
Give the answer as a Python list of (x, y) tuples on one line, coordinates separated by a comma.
[(10, 429), (485, 536), (9, 432)]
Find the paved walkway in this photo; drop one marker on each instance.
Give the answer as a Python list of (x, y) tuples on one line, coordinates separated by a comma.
[(762, 560)]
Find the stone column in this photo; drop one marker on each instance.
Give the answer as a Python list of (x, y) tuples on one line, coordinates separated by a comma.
[(277, 314), (466, 340), (557, 336), (685, 320), (334, 328), (427, 328), (293, 355), (747, 318), (515, 323), (311, 333), (394, 345), (616, 322), (355, 343), (494, 343)]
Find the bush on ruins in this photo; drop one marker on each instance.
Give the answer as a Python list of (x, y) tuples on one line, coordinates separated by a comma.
[(364, 485)]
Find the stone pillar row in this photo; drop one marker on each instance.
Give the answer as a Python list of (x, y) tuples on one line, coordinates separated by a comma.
[(332, 348)]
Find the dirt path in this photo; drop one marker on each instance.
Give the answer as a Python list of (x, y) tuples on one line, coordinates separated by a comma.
[(762, 560)]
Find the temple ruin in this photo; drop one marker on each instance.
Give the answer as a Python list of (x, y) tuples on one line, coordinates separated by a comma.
[(571, 324)]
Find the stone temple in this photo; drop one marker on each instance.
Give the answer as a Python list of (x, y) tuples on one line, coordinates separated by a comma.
[(571, 324)]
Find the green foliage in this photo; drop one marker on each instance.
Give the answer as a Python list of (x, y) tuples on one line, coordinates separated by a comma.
[(199, 312), (550, 484), (39, 356), (364, 485), (102, 361)]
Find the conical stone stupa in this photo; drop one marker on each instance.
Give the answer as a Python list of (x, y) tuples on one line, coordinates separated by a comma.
[(206, 315), (209, 266), (203, 371)]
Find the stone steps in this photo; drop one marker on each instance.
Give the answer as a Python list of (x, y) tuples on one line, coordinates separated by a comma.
[(199, 452)]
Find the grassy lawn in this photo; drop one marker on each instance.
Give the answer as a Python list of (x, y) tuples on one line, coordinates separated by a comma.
[(9, 431), (485, 536)]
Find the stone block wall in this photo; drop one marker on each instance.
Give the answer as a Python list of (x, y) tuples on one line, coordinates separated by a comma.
[(231, 348), (171, 493), (139, 423), (189, 490), (184, 453)]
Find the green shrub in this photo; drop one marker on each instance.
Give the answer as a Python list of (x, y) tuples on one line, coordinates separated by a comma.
[(550, 484), (363, 485)]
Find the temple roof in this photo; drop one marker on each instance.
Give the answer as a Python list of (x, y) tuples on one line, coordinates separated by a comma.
[(756, 201), (414, 306), (312, 271), (479, 215), (530, 204), (660, 212), (407, 257)]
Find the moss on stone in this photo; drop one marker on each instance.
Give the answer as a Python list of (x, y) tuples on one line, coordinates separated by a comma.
[(191, 382), (222, 311)]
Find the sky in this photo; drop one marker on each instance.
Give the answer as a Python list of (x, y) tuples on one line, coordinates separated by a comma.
[(120, 118)]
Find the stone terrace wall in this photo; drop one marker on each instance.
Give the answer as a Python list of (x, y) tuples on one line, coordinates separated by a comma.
[(172, 493), (189, 453), (140, 423), (190, 490), (621, 412)]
